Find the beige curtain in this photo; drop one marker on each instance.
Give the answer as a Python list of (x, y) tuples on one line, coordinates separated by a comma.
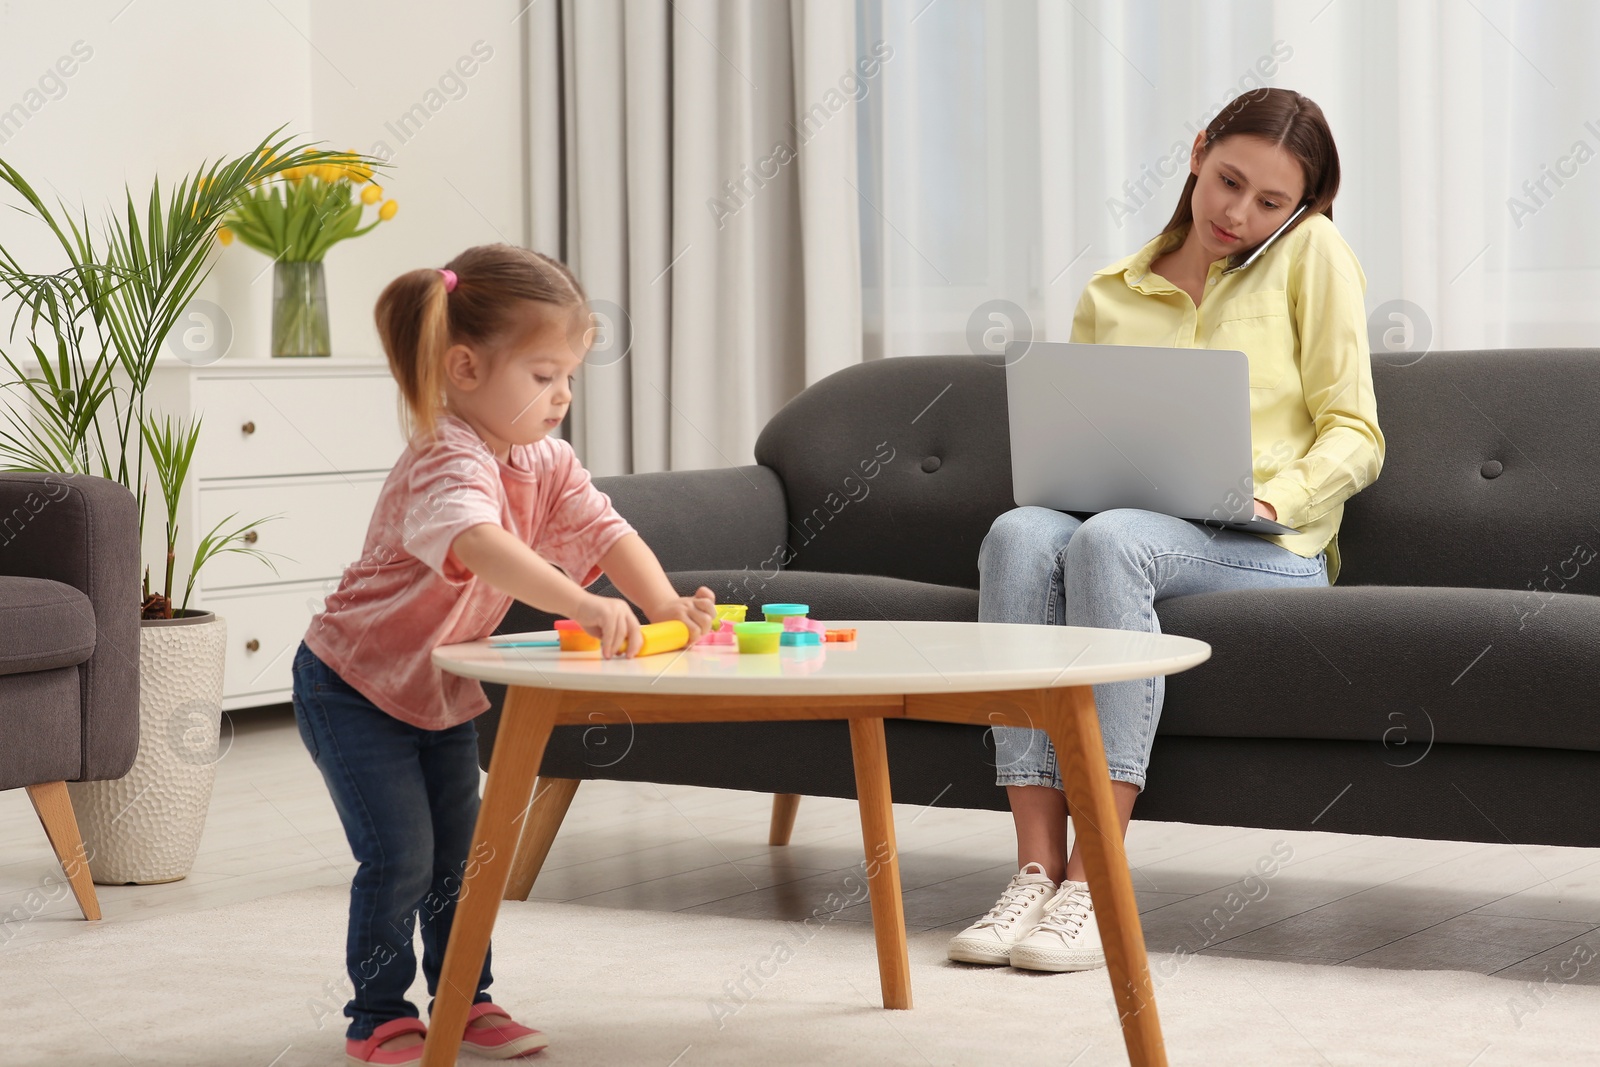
[(679, 163)]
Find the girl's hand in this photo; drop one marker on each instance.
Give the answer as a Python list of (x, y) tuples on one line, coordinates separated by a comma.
[(1266, 510), (696, 612), (611, 620)]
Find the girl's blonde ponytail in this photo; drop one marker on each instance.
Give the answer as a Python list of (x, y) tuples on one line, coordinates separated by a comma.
[(413, 319)]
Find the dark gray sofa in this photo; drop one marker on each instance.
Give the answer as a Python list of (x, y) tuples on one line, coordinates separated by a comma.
[(69, 647), (1446, 687)]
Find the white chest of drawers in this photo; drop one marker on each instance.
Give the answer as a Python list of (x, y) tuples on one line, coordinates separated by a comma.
[(308, 440)]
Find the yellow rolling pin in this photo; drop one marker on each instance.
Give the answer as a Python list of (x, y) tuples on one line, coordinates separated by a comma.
[(662, 637), (658, 637)]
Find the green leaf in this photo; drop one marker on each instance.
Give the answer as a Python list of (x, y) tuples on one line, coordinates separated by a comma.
[(102, 320), (215, 543)]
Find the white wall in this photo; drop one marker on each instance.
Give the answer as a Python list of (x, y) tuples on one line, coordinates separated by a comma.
[(169, 83), (458, 178)]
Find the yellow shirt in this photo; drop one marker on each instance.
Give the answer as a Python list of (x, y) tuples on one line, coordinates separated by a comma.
[(1298, 313)]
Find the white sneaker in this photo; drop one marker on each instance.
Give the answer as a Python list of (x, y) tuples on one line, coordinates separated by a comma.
[(989, 940), (1066, 938)]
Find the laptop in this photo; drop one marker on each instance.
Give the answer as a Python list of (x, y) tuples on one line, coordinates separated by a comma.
[(1095, 427)]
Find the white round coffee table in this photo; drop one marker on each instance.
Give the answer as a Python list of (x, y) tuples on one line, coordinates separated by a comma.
[(969, 672)]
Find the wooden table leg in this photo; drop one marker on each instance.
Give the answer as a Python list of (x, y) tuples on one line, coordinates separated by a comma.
[(1070, 719), (525, 725), (871, 757), (784, 807), (551, 799)]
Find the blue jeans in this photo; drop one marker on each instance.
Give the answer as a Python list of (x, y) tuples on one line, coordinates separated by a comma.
[(1043, 566), (408, 798)]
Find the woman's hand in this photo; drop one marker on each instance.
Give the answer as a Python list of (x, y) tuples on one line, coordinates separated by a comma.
[(696, 612), (611, 620), (1266, 510)]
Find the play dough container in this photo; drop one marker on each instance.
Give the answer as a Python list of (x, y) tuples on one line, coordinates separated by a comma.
[(573, 638), (757, 636), (779, 612), (730, 613)]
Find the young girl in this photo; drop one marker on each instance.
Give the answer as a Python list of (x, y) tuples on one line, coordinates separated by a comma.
[(483, 506), (1297, 312)]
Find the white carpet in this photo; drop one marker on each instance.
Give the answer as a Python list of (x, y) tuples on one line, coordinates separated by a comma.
[(241, 985)]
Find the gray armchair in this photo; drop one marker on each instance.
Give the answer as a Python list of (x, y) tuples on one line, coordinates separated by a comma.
[(69, 647)]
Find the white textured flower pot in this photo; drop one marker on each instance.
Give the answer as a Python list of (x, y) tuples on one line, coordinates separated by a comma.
[(145, 827)]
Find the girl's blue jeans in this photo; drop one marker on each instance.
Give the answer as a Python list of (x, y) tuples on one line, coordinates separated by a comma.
[(408, 798), (1039, 565)]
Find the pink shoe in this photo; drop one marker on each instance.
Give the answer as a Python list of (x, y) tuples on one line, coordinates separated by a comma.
[(500, 1040), (368, 1051)]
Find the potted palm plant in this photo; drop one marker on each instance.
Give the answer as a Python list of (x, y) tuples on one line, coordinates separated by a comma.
[(94, 330)]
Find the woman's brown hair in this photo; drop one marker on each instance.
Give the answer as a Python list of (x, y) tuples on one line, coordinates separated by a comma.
[(418, 320), (1285, 118)]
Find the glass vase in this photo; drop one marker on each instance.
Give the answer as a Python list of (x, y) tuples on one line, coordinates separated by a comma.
[(299, 310)]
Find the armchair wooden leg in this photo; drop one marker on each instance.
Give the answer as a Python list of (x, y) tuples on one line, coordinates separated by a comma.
[(53, 805), (784, 808), (551, 798)]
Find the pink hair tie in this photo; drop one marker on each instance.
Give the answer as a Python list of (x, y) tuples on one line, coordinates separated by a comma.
[(449, 279)]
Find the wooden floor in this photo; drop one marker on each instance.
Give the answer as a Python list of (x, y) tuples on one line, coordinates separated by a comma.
[(1358, 901)]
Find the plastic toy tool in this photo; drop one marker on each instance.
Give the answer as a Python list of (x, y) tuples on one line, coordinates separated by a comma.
[(784, 626), (658, 637)]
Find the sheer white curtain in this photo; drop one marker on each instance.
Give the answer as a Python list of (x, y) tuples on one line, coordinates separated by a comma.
[(1017, 146), (694, 163)]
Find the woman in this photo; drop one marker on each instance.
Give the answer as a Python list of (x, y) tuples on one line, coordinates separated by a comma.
[(1297, 312)]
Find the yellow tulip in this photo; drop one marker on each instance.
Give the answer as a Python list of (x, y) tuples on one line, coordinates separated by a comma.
[(372, 194), (386, 212), (352, 166), (225, 235), (294, 174)]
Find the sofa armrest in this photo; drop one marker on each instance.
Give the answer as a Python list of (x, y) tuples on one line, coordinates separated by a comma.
[(83, 531), (722, 519)]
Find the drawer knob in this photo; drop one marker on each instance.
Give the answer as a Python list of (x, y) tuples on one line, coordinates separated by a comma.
[(249, 427), (250, 537), (252, 645)]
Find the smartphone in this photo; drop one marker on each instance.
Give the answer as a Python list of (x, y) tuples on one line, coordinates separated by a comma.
[(1264, 245)]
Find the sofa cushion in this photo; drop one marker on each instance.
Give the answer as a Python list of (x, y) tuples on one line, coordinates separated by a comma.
[(1488, 481), (695, 520), (43, 625), (1400, 667)]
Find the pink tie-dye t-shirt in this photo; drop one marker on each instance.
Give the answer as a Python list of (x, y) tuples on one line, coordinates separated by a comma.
[(408, 593)]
